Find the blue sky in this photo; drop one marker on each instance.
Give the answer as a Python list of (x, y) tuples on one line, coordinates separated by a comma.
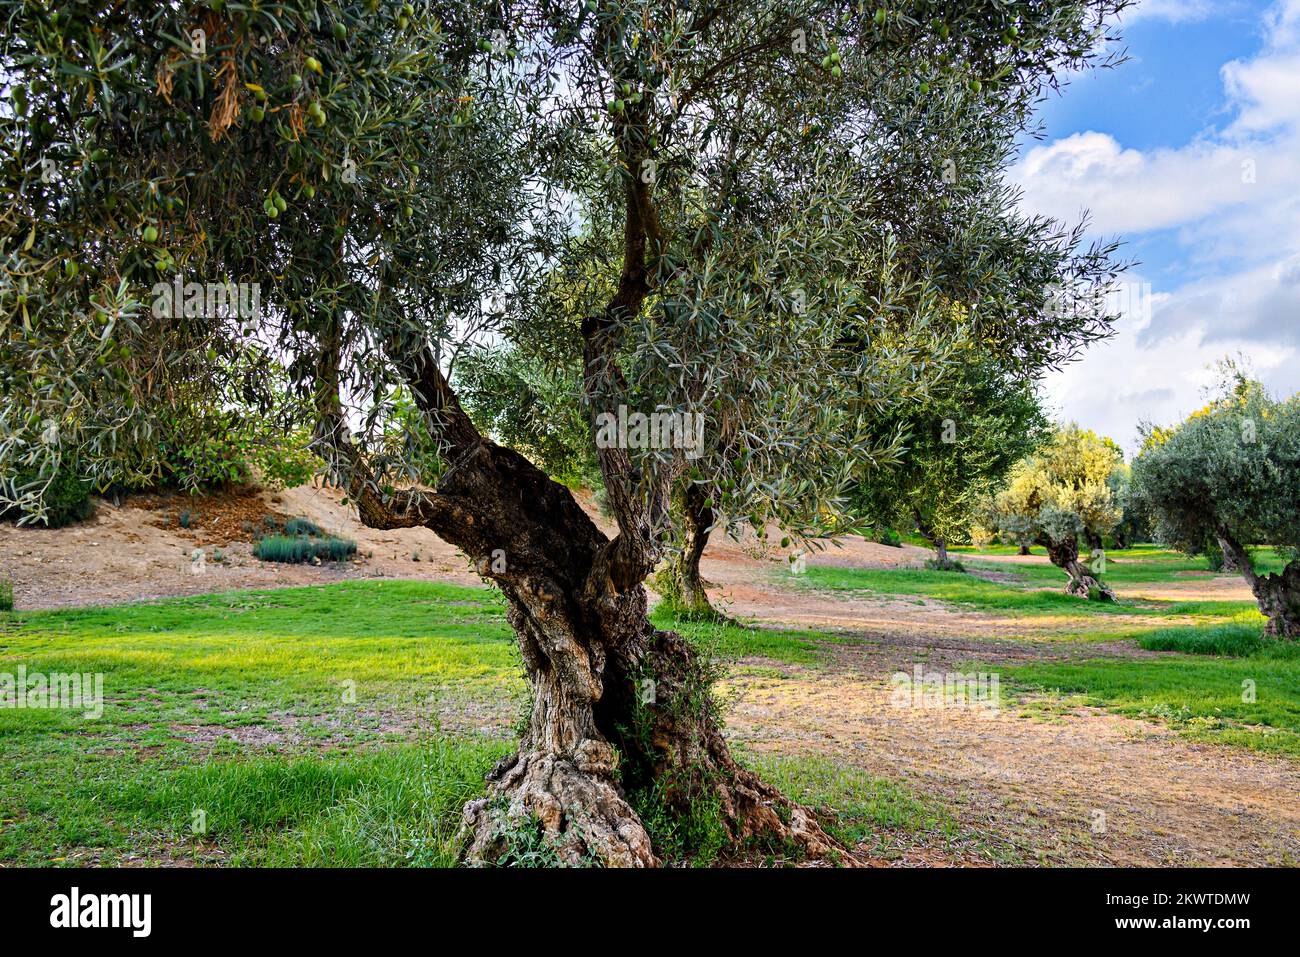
[(1189, 153)]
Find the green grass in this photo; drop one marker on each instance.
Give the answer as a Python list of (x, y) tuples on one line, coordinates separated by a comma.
[(863, 811), (1032, 590), (731, 641), (1137, 565), (305, 722), (1235, 639), (1206, 696), (347, 724)]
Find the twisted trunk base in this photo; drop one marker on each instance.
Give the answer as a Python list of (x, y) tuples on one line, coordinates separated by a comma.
[(657, 745), (623, 721), (1082, 583), (1277, 593)]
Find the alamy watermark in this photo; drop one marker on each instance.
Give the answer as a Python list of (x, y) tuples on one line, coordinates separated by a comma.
[(209, 300), (1132, 299), (53, 692), (948, 689), (658, 430)]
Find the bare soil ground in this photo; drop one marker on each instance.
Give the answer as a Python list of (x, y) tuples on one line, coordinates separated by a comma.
[(1053, 784), (1075, 785), (139, 551)]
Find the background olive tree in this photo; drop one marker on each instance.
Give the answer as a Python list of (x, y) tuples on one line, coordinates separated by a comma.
[(1231, 474), (959, 447), (1060, 494)]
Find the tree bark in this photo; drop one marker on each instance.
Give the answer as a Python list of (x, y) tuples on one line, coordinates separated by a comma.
[(1024, 550), (621, 712), (1065, 555), (1277, 593), (680, 584)]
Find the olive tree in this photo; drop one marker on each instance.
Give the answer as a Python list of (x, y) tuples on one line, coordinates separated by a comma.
[(959, 447), (398, 178), (1231, 474), (1060, 493), (932, 176)]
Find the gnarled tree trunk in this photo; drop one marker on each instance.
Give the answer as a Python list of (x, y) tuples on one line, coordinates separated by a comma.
[(1277, 593), (621, 713), (620, 710), (1023, 550), (679, 583), (1082, 584)]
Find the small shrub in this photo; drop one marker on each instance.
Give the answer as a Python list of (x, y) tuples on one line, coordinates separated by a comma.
[(186, 518), (887, 536), (523, 843), (6, 595), (302, 526), (297, 549), (944, 565)]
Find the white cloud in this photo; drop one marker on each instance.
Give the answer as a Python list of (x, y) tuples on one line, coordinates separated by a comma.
[(1266, 90), (1127, 190), (1127, 380), (1232, 199)]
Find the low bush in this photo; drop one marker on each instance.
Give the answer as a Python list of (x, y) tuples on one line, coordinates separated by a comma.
[(944, 565), (302, 526), (67, 497), (887, 536), (6, 595), (295, 549)]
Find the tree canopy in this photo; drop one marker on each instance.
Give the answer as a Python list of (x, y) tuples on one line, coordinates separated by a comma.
[(1231, 473), (959, 447), (1062, 492)]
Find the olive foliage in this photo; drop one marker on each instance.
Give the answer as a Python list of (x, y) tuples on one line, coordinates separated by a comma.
[(1230, 475)]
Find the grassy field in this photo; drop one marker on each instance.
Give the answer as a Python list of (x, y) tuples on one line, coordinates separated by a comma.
[(1236, 687), (336, 725), (1037, 589), (1222, 682), (347, 724)]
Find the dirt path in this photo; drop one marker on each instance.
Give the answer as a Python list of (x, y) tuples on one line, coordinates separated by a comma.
[(1080, 787)]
